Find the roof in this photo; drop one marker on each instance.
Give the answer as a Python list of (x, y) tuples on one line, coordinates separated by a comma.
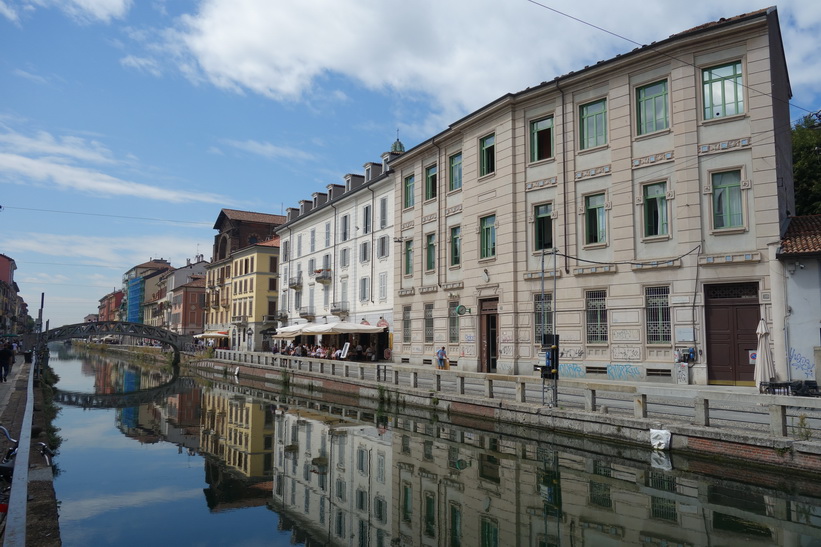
[(196, 282), (249, 216), (156, 264), (273, 242), (803, 237)]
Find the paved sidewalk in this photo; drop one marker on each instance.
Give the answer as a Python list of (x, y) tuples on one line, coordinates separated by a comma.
[(7, 388)]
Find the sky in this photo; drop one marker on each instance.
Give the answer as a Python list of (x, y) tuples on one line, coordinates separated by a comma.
[(126, 126)]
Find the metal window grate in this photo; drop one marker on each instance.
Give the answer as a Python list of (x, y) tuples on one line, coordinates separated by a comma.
[(596, 311), (543, 320), (657, 311), (428, 323)]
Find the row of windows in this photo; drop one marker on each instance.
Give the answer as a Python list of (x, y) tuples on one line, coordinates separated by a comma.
[(722, 96), (364, 292), (727, 213), (656, 309)]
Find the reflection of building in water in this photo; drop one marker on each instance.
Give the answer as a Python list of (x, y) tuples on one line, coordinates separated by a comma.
[(455, 486), (239, 431), (333, 479)]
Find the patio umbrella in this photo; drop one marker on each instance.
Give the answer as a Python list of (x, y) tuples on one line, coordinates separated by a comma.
[(764, 366)]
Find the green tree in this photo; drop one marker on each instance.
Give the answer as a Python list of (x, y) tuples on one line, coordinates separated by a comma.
[(806, 158)]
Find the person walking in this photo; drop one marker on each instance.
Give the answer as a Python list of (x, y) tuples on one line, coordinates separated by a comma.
[(441, 355), (6, 360)]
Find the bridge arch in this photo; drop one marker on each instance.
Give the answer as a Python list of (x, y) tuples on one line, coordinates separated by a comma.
[(120, 328)]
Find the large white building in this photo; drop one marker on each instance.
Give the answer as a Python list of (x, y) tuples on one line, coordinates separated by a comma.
[(337, 253), (634, 208)]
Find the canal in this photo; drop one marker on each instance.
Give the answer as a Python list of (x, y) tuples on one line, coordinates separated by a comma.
[(208, 459)]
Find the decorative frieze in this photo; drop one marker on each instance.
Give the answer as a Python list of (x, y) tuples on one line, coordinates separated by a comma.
[(593, 172), (597, 269), (429, 218), (428, 289), (453, 286), (407, 225), (529, 276), (723, 146), (453, 210), (407, 292), (544, 183), (656, 264), (732, 258), (652, 159)]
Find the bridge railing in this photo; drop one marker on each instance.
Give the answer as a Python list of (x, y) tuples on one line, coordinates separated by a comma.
[(705, 406)]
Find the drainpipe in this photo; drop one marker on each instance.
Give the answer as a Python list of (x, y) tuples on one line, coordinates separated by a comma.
[(333, 261), (443, 233), (373, 229), (564, 185)]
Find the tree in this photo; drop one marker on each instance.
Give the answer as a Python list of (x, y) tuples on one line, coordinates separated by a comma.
[(806, 158)]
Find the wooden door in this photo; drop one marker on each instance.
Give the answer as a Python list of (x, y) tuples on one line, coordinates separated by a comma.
[(488, 334), (731, 317)]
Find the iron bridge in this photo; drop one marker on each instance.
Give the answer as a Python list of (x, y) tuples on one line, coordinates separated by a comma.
[(120, 328), (125, 400)]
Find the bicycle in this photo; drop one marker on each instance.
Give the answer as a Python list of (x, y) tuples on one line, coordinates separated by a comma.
[(7, 465)]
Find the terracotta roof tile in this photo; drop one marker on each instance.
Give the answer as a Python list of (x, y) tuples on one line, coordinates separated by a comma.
[(250, 216), (803, 236)]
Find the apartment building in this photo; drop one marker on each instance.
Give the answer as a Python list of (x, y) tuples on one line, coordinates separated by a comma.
[(337, 254), (237, 230), (254, 294), (633, 208)]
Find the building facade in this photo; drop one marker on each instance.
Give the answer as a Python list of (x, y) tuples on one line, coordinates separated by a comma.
[(254, 294), (632, 207), (109, 306), (337, 252), (139, 288)]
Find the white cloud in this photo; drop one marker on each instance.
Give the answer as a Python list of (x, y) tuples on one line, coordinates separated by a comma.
[(8, 12), (459, 54), (143, 64), (44, 159), (88, 11), (268, 150), (85, 508), (28, 75)]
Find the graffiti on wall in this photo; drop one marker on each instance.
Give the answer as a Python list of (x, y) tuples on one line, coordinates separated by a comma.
[(624, 372), (570, 370), (800, 366)]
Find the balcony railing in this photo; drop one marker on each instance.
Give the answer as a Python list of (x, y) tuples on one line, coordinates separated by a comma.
[(340, 309), (295, 282), (282, 315), (270, 318), (239, 319), (307, 312), (324, 276)]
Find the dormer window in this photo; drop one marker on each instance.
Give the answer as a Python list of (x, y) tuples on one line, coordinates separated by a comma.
[(368, 173)]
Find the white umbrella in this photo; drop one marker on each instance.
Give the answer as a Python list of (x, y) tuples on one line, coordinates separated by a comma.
[(764, 366)]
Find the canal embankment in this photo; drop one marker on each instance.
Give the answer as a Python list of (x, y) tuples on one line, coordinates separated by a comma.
[(717, 423)]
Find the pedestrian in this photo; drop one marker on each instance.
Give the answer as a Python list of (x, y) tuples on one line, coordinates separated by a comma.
[(6, 359), (441, 355)]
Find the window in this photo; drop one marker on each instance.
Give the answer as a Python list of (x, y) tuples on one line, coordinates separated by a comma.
[(327, 234), (455, 531), (299, 245), (428, 323), (364, 289), (286, 246), (409, 257), (651, 106), (340, 490), (593, 129), (594, 218), (344, 257), (383, 213), (366, 219), (489, 533), (596, 311), (380, 468), (430, 514), (407, 502), (383, 245), (408, 191), (362, 460), (453, 323), (406, 324), (365, 251), (430, 182), (543, 226), (723, 91), (383, 286), (543, 316), (487, 155), (655, 209), (311, 267), (313, 240), (541, 139), (455, 245), (727, 211), (346, 227), (487, 233), (380, 509), (326, 261), (272, 284), (657, 314), (430, 251), (455, 182)]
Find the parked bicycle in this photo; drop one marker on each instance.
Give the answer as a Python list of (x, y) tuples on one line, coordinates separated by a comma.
[(7, 465)]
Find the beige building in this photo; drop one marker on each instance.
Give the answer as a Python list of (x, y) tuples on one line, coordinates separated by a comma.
[(661, 178)]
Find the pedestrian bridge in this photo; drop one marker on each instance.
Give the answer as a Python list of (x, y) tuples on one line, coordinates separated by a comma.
[(120, 328), (126, 400)]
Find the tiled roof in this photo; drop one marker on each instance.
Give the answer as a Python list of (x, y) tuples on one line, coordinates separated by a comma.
[(723, 20), (273, 242), (154, 264), (249, 216), (803, 236)]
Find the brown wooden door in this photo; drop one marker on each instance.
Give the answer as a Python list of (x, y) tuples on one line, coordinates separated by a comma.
[(731, 317), (488, 334)]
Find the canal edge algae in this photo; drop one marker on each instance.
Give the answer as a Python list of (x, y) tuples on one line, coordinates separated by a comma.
[(750, 447), (42, 518)]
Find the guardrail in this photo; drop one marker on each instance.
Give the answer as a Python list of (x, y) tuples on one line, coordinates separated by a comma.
[(706, 406)]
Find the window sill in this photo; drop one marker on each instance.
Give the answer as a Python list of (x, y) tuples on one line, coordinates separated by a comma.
[(648, 136), (594, 149), (429, 200), (713, 121), (488, 176), (656, 239), (486, 260), (455, 267), (594, 246), (454, 191), (543, 161), (728, 231)]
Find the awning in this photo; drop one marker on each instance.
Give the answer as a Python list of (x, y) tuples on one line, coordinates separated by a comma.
[(341, 328), (213, 334), (291, 331)]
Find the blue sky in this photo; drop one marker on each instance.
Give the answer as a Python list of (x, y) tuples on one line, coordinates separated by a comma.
[(126, 126)]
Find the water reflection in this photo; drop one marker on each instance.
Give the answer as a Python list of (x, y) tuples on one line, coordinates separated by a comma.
[(338, 473)]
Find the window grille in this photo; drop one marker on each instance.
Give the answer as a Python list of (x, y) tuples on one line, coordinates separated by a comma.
[(596, 311), (657, 311)]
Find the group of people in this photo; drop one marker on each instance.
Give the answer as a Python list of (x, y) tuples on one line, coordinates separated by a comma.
[(357, 353), (7, 355)]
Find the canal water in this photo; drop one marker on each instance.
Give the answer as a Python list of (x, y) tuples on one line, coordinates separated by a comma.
[(208, 459)]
